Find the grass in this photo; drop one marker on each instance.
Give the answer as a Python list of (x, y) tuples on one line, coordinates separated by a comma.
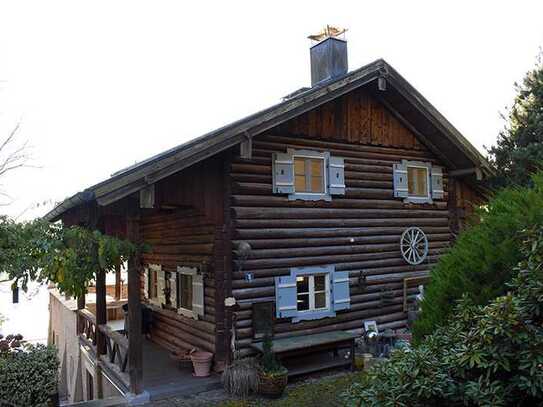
[(316, 392)]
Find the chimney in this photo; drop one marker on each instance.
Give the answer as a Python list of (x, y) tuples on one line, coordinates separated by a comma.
[(328, 54)]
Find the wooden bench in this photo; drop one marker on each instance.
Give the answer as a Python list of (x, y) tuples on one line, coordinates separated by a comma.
[(284, 348)]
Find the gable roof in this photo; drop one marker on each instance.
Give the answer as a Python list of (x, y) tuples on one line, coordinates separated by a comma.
[(402, 99)]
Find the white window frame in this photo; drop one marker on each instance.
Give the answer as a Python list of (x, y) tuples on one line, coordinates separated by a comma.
[(314, 155), (188, 271), (324, 173), (311, 292), (418, 198)]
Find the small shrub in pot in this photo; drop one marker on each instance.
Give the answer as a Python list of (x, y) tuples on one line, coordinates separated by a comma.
[(272, 376)]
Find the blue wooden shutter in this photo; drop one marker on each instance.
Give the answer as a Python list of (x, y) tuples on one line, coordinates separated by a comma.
[(400, 180), (340, 290), (285, 296), (336, 176), (283, 173), (437, 182)]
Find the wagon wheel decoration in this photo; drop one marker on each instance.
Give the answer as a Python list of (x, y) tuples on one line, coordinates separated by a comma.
[(414, 245)]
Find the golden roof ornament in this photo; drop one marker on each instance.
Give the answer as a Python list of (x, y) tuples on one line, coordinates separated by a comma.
[(327, 32)]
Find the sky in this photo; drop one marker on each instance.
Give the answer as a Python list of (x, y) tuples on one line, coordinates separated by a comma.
[(99, 85)]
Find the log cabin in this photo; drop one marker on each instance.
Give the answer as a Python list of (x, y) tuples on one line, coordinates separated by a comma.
[(305, 218)]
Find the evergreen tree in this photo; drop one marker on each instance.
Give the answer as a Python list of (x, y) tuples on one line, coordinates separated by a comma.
[(519, 148)]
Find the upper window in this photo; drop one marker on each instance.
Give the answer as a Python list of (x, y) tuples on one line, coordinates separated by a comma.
[(153, 282), (308, 175), (417, 181)]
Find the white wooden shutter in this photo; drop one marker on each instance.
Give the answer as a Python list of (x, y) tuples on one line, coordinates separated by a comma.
[(173, 289), (283, 173), (198, 294), (161, 298), (437, 182), (146, 283), (336, 176), (400, 180), (285, 297), (340, 290)]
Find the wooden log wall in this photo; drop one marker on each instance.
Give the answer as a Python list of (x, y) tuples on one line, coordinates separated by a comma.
[(184, 237), (358, 232), (187, 236)]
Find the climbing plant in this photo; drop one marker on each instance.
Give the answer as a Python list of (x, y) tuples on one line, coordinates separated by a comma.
[(70, 257)]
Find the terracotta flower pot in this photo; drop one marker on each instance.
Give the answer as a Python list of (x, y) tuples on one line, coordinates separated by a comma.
[(201, 361), (272, 385)]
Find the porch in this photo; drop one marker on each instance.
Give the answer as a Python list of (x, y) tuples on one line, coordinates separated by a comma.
[(161, 376)]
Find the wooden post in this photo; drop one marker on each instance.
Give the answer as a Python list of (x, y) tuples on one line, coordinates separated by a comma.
[(118, 281), (101, 319), (101, 311), (135, 355), (80, 306)]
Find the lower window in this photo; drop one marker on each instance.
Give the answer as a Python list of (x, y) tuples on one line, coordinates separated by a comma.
[(313, 292), (185, 291)]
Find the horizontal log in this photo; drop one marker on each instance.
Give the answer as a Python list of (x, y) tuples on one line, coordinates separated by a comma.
[(338, 223), (317, 213), (316, 260), (334, 233), (331, 250)]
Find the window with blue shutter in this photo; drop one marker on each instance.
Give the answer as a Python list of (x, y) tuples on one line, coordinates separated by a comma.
[(308, 175), (417, 181), (312, 293)]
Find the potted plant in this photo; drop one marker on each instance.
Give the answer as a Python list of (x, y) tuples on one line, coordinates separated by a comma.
[(272, 376)]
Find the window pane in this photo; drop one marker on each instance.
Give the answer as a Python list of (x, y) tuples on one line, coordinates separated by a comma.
[(320, 300), (299, 185), (303, 302), (317, 176), (320, 282), (299, 166), (299, 175), (185, 291), (417, 181), (302, 284)]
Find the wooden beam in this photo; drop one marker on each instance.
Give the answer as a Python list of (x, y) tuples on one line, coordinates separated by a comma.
[(101, 310), (118, 281), (80, 306), (135, 355), (467, 171)]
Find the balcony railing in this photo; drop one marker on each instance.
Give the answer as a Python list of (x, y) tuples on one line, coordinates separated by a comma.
[(116, 357), (87, 327)]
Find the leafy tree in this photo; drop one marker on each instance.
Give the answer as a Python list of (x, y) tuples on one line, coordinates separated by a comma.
[(519, 149), (70, 257), (480, 263), (486, 356)]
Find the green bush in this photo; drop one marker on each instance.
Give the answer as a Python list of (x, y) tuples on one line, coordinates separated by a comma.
[(28, 375), (481, 261), (486, 356)]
